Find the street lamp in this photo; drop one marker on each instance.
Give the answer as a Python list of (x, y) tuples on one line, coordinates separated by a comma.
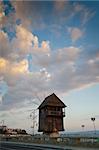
[(82, 127), (93, 120)]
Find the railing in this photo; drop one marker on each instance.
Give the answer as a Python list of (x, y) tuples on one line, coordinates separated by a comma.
[(55, 113)]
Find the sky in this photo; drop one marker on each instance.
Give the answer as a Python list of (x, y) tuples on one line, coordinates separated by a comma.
[(49, 47)]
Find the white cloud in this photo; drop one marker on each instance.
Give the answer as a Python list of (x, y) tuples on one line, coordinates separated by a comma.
[(26, 42), (21, 67), (75, 33), (45, 45), (87, 16), (68, 54), (85, 13), (5, 46), (58, 71), (13, 68)]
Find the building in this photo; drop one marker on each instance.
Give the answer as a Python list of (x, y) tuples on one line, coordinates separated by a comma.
[(3, 129), (10, 131), (51, 113)]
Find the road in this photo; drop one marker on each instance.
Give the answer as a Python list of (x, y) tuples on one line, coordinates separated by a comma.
[(24, 146), (27, 146)]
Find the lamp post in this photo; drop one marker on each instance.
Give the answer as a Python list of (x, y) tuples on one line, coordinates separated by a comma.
[(82, 127), (93, 120)]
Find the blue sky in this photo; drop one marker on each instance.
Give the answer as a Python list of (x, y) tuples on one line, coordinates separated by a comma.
[(46, 47)]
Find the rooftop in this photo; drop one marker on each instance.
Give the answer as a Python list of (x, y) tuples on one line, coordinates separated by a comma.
[(52, 100)]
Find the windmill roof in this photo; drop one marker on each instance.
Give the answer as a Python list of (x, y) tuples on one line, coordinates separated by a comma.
[(52, 100)]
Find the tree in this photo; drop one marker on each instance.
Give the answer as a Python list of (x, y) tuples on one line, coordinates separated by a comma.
[(38, 98)]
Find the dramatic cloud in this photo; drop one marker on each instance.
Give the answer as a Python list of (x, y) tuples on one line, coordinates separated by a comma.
[(27, 43), (24, 43), (33, 62), (30, 13), (75, 33), (14, 66), (61, 67), (5, 46)]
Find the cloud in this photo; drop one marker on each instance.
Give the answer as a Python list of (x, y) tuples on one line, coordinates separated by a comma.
[(85, 13), (24, 88), (3, 89), (22, 77), (30, 13), (78, 7), (87, 16), (60, 5), (14, 67), (18, 67), (23, 44), (68, 54), (75, 33), (21, 67), (3, 64), (61, 67), (23, 84), (66, 10), (5, 49), (26, 42), (8, 19), (0, 99), (58, 71)]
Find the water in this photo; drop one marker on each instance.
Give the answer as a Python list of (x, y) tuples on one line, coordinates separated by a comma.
[(79, 148)]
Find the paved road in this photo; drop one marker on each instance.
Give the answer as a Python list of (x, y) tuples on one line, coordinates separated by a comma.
[(24, 146)]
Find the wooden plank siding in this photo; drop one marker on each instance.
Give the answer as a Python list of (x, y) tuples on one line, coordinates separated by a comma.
[(51, 114)]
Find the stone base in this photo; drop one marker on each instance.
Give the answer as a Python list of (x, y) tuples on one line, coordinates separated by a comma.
[(54, 135)]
